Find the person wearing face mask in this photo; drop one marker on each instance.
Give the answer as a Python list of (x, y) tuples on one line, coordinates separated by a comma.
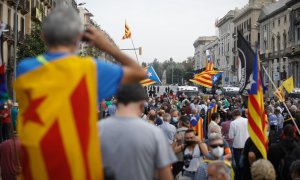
[(192, 153), (174, 120), (131, 148), (216, 153)]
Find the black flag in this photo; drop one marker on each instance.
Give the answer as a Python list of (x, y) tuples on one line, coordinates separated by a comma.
[(245, 60)]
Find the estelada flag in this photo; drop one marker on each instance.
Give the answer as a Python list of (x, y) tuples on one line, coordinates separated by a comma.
[(152, 77), (196, 123), (257, 121), (57, 120)]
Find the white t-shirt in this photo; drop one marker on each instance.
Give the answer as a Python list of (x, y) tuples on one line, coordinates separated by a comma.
[(238, 131), (196, 161)]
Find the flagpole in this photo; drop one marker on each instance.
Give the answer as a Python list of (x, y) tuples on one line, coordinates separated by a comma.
[(282, 101), (134, 50)]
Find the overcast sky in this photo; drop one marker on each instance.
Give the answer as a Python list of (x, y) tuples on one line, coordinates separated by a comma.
[(164, 28)]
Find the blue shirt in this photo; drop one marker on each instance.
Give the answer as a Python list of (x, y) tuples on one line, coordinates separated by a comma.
[(273, 120), (109, 75)]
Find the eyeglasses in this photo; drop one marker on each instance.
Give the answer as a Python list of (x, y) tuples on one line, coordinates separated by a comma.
[(216, 145)]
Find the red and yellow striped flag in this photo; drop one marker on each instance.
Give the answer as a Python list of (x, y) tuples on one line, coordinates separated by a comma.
[(198, 128), (57, 121), (279, 93), (212, 109), (209, 66), (127, 34), (256, 113)]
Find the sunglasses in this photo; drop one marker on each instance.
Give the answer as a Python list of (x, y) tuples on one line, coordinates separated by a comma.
[(216, 145)]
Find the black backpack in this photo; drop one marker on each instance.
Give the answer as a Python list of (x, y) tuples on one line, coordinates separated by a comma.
[(286, 162), (202, 112)]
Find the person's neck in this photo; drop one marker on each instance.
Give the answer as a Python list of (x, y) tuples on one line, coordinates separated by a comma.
[(61, 49), (125, 112)]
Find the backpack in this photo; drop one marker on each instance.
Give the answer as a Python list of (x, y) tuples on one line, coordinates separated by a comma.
[(202, 112), (286, 162)]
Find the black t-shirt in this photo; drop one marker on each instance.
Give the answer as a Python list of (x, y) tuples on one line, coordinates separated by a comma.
[(249, 147)]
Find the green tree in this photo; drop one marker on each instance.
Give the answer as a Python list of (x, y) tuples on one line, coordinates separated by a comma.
[(33, 44)]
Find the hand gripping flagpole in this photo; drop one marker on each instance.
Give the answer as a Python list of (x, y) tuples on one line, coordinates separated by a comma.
[(283, 101)]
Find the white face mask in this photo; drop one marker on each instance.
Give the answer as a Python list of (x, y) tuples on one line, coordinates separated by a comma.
[(218, 151), (268, 132)]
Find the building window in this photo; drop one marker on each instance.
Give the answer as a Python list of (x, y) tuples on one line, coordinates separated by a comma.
[(284, 40), (250, 39), (32, 3), (273, 44), (298, 33), (285, 19), (22, 24), (1, 12), (227, 47), (273, 24), (9, 17), (278, 43), (278, 22)]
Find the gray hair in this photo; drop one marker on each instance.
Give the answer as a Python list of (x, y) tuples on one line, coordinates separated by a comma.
[(213, 137), (221, 168), (167, 117), (62, 26)]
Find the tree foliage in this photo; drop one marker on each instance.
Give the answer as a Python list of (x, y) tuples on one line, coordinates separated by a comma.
[(33, 44), (182, 71)]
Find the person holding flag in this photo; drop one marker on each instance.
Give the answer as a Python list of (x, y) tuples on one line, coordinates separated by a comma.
[(57, 93)]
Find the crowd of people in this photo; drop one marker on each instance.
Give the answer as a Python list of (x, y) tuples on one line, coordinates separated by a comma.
[(141, 136), (226, 140)]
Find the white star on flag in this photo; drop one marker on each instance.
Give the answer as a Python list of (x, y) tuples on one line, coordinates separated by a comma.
[(149, 74), (215, 78), (251, 82)]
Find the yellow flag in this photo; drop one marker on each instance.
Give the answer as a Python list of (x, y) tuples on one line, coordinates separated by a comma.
[(289, 84), (279, 93)]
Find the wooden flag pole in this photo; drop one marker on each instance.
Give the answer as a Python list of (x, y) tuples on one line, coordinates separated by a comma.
[(134, 50), (283, 101)]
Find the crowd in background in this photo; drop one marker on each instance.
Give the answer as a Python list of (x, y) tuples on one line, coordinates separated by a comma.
[(226, 138)]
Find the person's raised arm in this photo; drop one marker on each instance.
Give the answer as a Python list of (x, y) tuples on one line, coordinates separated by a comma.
[(132, 71)]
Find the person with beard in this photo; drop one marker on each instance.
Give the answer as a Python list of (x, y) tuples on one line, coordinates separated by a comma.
[(192, 153), (216, 153)]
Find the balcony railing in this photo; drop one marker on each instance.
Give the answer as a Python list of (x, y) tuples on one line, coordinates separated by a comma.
[(11, 2), (50, 3), (26, 6), (9, 35)]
